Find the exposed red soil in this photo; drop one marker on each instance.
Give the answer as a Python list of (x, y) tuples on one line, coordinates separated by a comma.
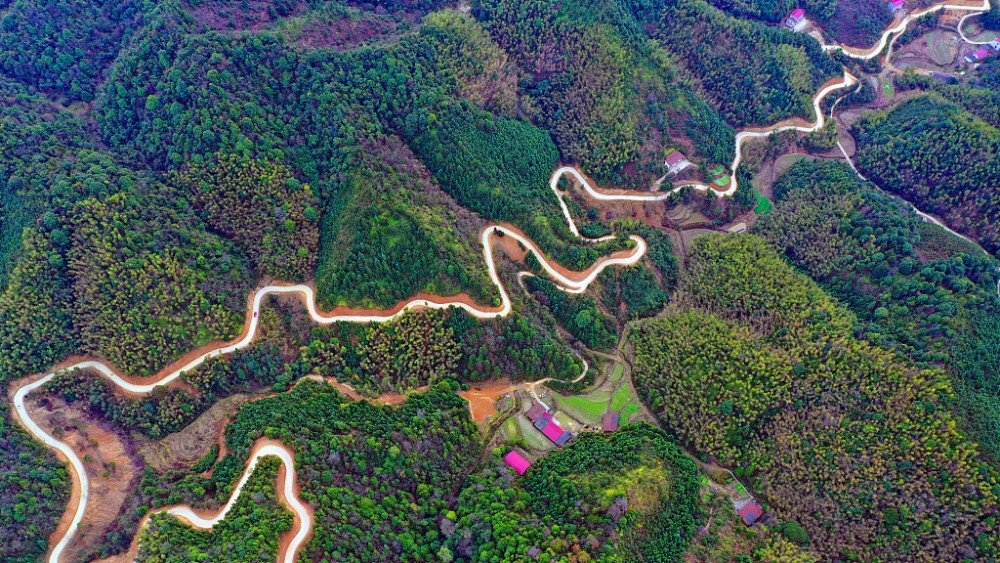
[(107, 492), (511, 248), (482, 399)]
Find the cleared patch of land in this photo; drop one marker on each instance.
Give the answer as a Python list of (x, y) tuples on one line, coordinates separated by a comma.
[(532, 437), (764, 205), (622, 398), (629, 413), (617, 373), (182, 449), (936, 243), (110, 469)]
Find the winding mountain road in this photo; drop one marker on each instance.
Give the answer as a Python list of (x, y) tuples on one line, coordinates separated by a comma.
[(926, 217), (890, 35), (574, 282), (961, 32), (846, 81), (302, 514)]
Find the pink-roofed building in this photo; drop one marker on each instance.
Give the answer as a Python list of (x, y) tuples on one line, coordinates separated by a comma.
[(555, 433), (794, 18), (976, 56), (896, 5), (609, 422), (517, 462)]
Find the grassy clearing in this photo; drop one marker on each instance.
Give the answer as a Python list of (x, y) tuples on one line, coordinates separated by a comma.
[(887, 87), (589, 414), (617, 373), (566, 422), (511, 429), (629, 411), (764, 205), (589, 403), (622, 397), (532, 436)]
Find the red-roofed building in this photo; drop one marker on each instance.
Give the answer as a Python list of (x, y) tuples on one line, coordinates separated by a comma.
[(794, 18), (675, 162), (517, 462), (536, 412), (750, 512), (609, 423)]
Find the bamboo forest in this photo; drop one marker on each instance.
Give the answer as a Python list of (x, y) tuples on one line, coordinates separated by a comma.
[(500, 281)]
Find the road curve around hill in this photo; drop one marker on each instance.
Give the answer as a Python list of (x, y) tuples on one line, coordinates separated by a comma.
[(961, 26), (287, 490), (895, 31), (846, 81), (889, 36), (573, 282), (924, 216)]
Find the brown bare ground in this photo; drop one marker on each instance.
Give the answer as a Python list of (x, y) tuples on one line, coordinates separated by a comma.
[(182, 449), (511, 248), (482, 399), (107, 493)]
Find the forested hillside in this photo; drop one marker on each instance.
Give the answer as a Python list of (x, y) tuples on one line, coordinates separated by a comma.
[(390, 232), (758, 367), (65, 47), (160, 160), (34, 489), (856, 23), (913, 289), (50, 161), (262, 207), (939, 157), (250, 531), (756, 75), (607, 93), (401, 482)]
